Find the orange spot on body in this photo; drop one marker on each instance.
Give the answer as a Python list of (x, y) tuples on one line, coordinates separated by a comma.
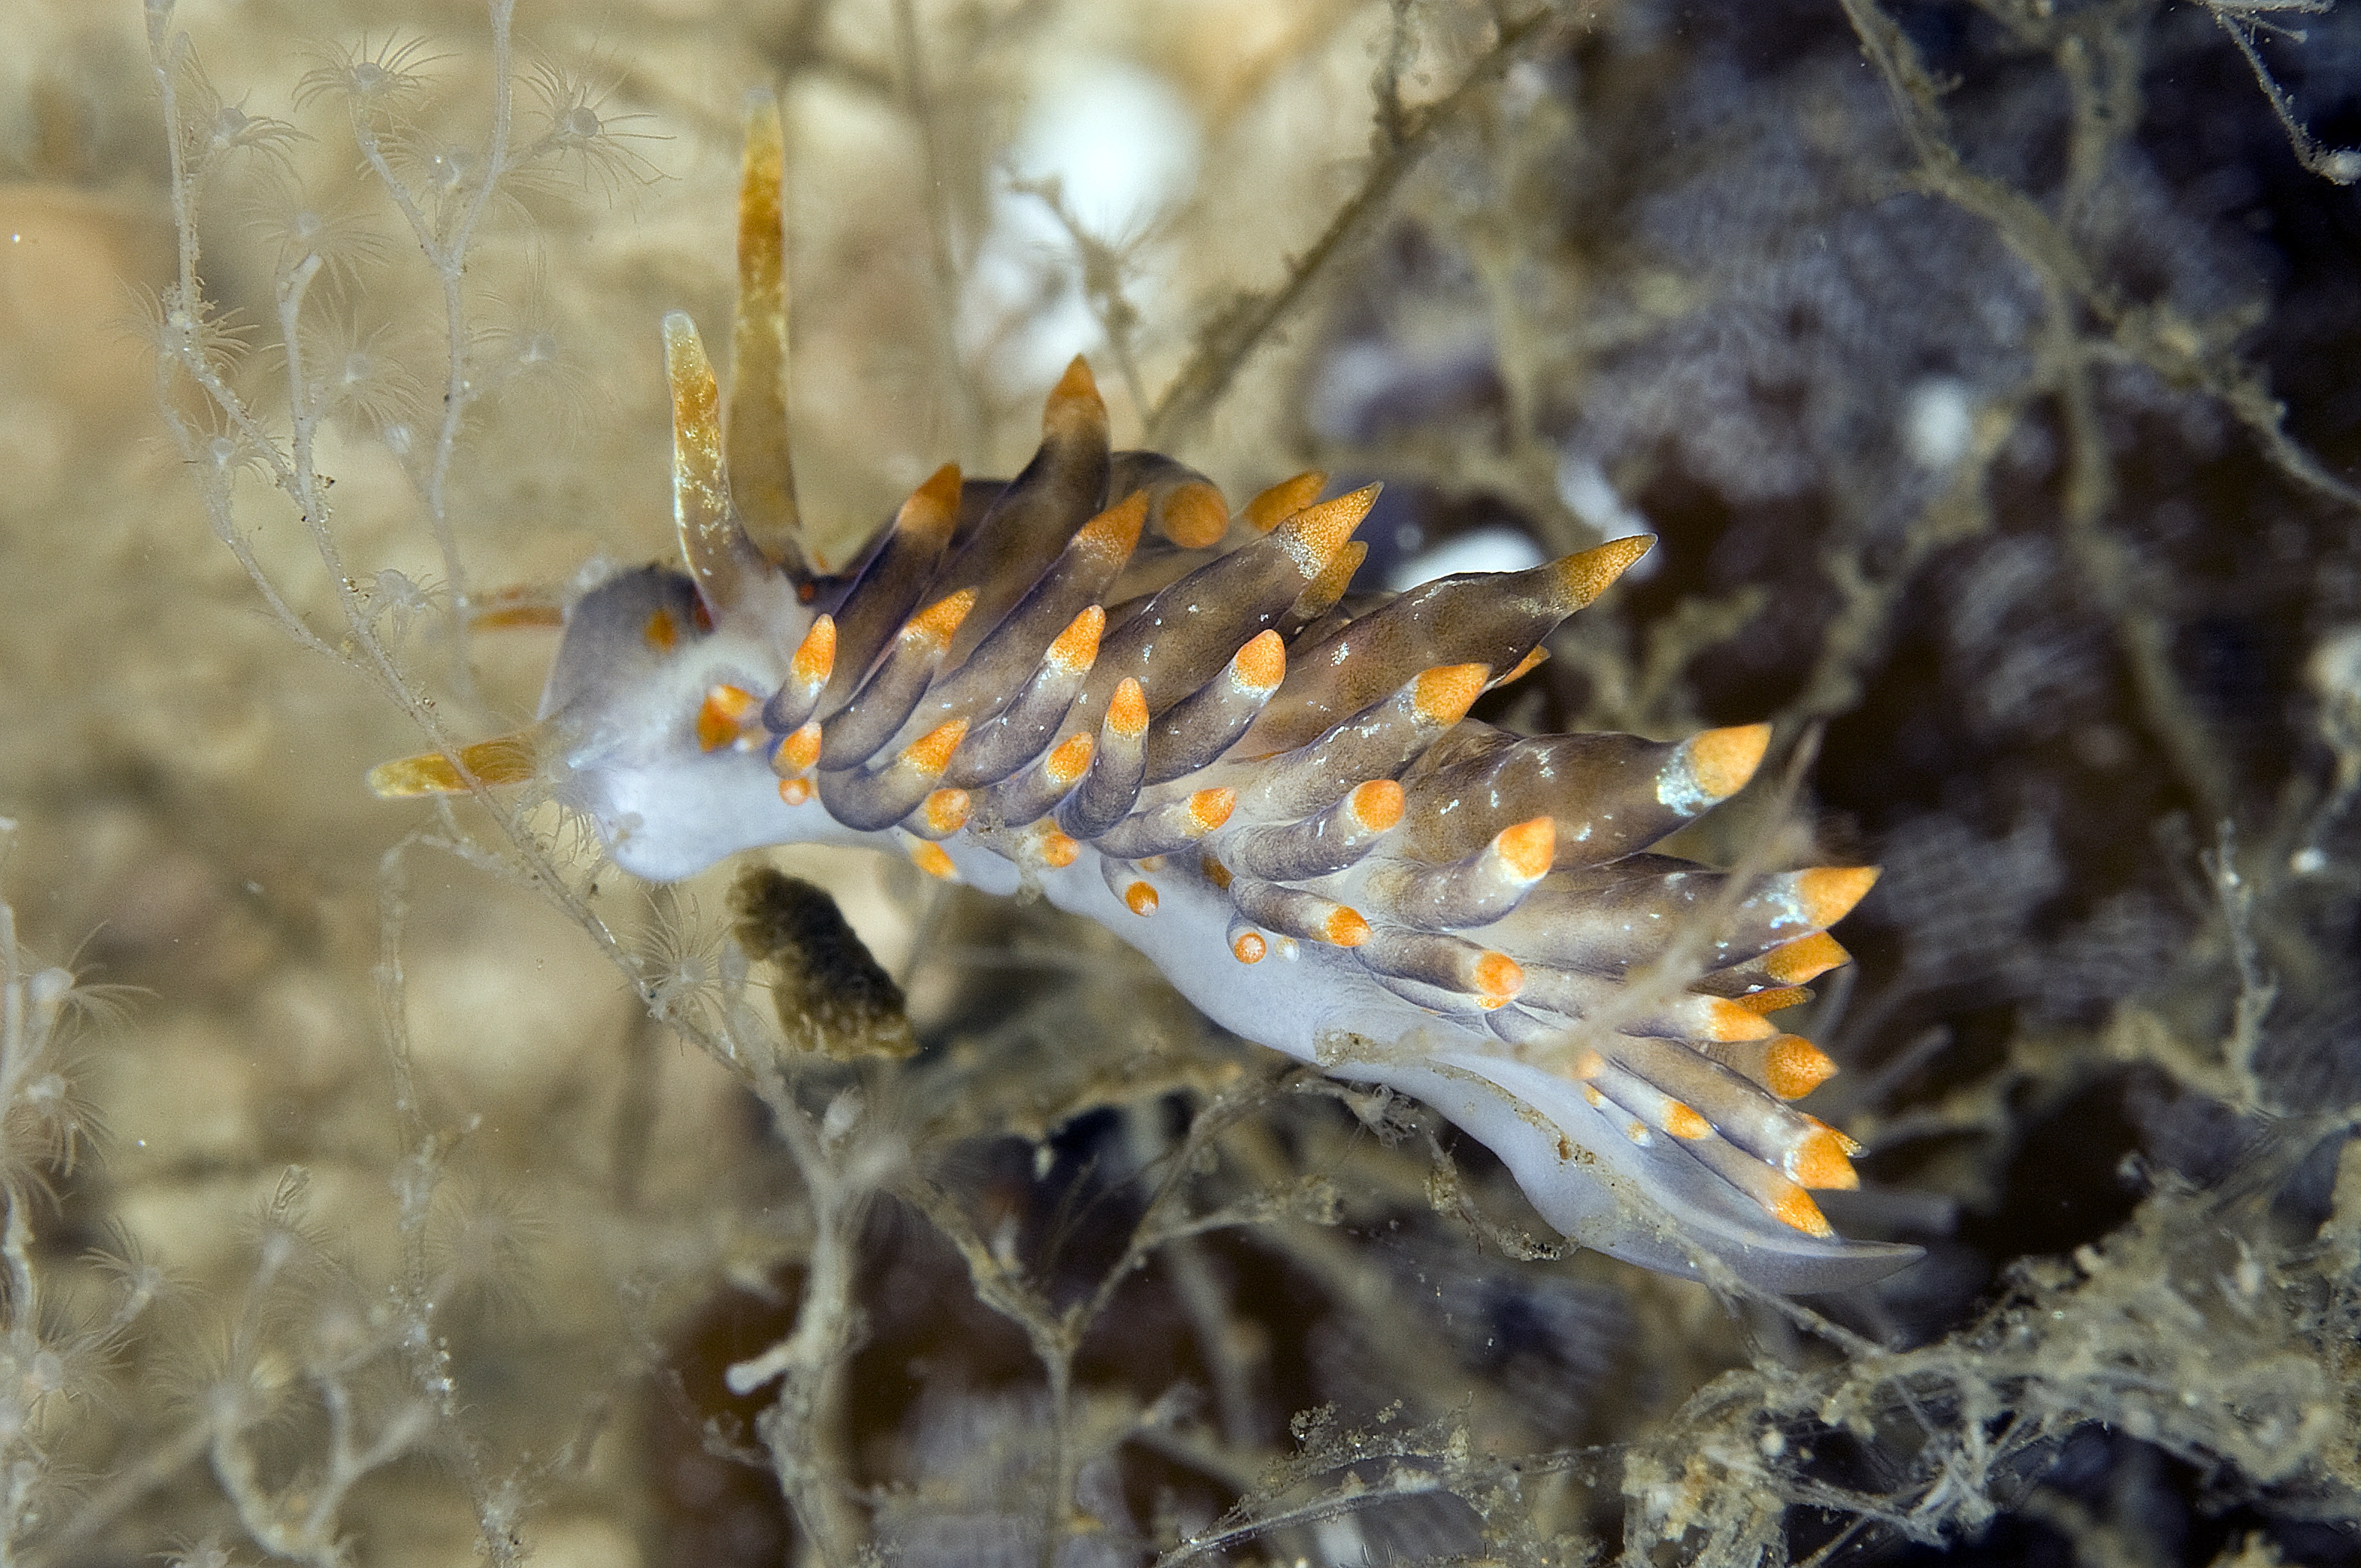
[(1793, 1067), (941, 619), (796, 750), (1793, 1207), (1528, 847), (1283, 500), (795, 792), (510, 618), (1819, 1161), (1075, 407), (1533, 660), (1058, 850), (1315, 534), (1376, 804), (1682, 1122), (1826, 895), (721, 718), (1722, 761), (1583, 577), (933, 860), (701, 614), (1113, 534), (1067, 764), (1590, 1064), (1127, 710), (1139, 898), (1261, 665), (814, 655), (1209, 809), (1249, 947), (1194, 516), (1498, 975), (946, 810), (1773, 1001), (660, 632), (1215, 872), (1806, 958), (1344, 928), (1077, 647), (931, 753), (1597, 1100), (1441, 695), (1726, 1020)]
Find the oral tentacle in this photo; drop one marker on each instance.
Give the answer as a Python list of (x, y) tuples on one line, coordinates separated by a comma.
[(761, 469), (722, 560)]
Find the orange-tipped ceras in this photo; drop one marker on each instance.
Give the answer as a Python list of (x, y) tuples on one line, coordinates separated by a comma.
[(1096, 678)]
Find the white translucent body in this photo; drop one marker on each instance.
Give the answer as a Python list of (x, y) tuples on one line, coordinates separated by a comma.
[(668, 809)]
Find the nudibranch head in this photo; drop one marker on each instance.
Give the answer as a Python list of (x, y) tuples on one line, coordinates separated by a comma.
[(1095, 679)]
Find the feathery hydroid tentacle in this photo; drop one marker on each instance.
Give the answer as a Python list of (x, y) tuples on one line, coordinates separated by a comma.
[(761, 469)]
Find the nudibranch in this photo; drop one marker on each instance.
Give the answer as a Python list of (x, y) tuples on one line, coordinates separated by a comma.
[(1096, 680)]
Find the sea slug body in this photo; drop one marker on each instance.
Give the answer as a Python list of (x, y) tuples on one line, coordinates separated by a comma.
[(1095, 679)]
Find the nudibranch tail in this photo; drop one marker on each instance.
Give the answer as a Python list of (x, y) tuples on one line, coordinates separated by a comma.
[(1098, 681)]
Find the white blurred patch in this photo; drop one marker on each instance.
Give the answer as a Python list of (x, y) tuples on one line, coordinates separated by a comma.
[(1117, 139), (1117, 146), (1939, 422), (1477, 550)]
